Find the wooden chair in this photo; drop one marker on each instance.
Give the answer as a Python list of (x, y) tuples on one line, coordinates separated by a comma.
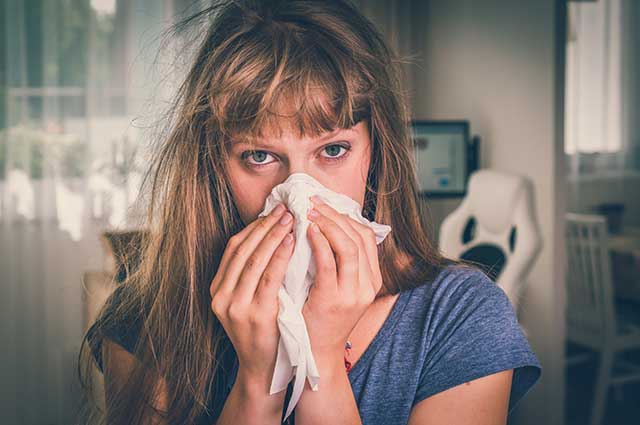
[(592, 319)]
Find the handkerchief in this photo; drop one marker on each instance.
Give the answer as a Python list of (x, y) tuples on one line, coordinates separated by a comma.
[(295, 359)]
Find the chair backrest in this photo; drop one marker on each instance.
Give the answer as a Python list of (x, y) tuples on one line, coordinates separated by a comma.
[(495, 226), (590, 308)]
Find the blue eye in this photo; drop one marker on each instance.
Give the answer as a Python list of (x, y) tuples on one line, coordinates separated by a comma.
[(256, 155), (260, 156), (336, 149)]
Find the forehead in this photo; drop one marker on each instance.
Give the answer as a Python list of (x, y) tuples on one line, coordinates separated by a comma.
[(295, 113), (268, 139), (289, 134)]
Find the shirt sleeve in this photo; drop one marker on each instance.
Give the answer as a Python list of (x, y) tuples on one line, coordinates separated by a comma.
[(124, 331), (473, 332)]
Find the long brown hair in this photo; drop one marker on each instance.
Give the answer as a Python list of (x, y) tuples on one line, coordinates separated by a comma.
[(315, 65)]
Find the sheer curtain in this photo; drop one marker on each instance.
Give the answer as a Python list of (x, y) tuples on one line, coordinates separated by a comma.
[(602, 89), (83, 83)]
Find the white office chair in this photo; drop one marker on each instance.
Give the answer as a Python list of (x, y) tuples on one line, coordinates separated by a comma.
[(495, 227), (592, 319)]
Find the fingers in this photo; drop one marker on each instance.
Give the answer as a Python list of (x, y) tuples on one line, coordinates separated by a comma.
[(239, 237), (256, 264), (359, 233), (239, 248), (236, 240), (273, 275), (368, 241), (371, 247), (363, 236), (347, 251), (325, 263)]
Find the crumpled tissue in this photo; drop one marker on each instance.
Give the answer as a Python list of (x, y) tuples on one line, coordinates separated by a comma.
[(295, 358)]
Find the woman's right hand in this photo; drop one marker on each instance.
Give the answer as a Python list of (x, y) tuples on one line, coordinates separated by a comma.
[(244, 291)]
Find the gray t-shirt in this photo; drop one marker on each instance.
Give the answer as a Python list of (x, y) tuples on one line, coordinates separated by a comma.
[(459, 327), (456, 329)]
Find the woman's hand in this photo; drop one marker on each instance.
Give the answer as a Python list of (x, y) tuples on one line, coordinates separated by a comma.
[(244, 291), (345, 285)]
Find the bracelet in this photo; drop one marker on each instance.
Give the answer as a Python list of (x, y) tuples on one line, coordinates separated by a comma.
[(347, 363)]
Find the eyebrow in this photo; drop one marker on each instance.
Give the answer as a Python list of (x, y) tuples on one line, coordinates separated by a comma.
[(318, 140)]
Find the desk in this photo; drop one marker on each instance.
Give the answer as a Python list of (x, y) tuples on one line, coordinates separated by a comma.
[(625, 263)]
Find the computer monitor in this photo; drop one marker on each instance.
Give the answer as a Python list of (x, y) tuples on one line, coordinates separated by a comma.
[(445, 157)]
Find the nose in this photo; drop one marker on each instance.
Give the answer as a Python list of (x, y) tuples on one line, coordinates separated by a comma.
[(301, 165), (305, 170), (298, 165)]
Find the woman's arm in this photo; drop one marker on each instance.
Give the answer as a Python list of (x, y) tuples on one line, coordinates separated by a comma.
[(334, 402), (250, 403), (483, 401), (247, 402)]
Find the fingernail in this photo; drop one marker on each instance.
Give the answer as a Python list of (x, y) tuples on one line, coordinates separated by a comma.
[(313, 213), (317, 199), (315, 227), (286, 218), (279, 209), (288, 239)]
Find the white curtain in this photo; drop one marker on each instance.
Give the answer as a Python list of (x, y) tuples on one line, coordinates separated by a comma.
[(602, 131), (83, 81)]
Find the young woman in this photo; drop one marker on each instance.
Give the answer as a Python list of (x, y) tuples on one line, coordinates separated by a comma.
[(191, 336)]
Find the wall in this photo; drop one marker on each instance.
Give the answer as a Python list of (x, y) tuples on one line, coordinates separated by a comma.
[(394, 21), (500, 64)]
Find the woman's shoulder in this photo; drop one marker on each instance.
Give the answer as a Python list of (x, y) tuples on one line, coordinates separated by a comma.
[(118, 326), (471, 330), (462, 294), (456, 296), (455, 283)]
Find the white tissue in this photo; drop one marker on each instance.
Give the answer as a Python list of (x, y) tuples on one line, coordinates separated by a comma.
[(295, 359)]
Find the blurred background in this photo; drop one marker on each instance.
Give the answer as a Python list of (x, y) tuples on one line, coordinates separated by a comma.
[(527, 129)]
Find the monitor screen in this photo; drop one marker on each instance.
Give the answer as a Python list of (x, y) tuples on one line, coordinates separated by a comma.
[(443, 156)]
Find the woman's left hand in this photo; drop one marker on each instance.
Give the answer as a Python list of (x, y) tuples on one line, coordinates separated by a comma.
[(347, 279)]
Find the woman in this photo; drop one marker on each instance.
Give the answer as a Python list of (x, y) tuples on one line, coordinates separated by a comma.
[(191, 336)]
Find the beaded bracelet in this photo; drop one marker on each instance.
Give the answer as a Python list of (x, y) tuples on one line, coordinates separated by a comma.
[(347, 363)]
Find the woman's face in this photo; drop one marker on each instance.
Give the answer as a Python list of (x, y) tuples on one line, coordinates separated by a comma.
[(339, 160)]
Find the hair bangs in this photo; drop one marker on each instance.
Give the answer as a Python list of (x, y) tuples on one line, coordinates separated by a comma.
[(300, 86)]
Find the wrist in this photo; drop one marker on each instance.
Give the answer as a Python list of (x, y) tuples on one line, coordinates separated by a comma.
[(251, 385), (255, 390), (249, 402), (330, 364)]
